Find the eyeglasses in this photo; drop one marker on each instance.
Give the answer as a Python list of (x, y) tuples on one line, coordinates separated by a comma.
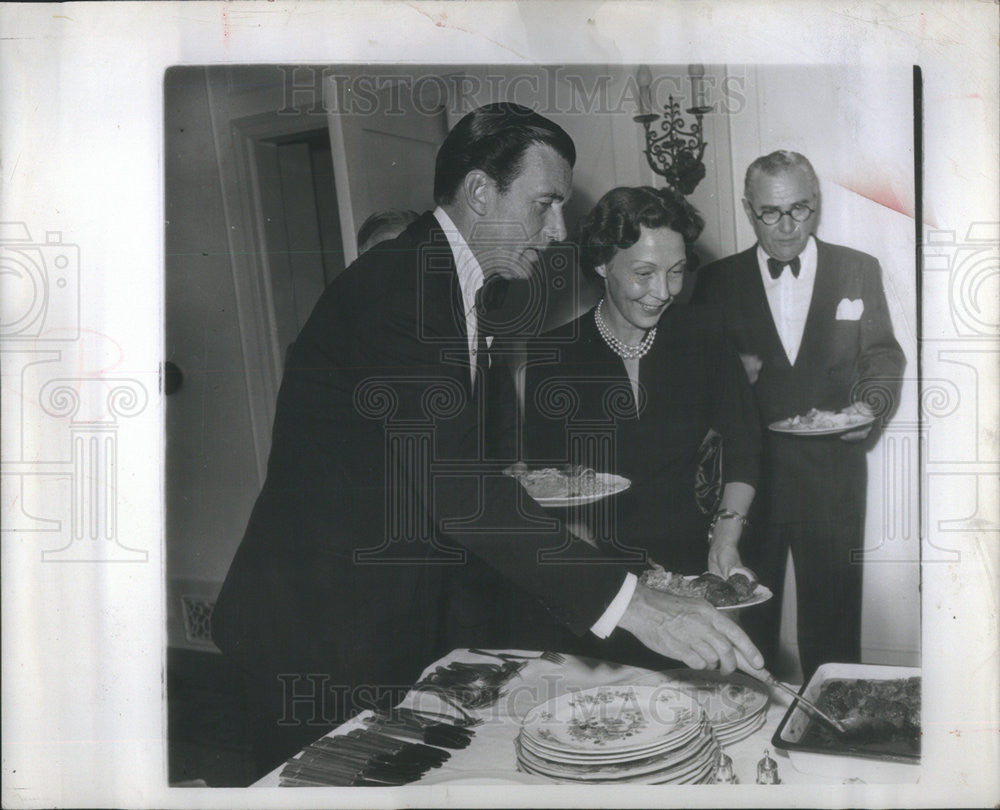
[(800, 212)]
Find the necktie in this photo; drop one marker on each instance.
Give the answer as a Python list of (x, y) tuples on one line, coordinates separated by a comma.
[(776, 268), (491, 295), (482, 362), (488, 297)]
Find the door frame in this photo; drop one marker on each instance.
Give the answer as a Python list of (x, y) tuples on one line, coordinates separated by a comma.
[(251, 270)]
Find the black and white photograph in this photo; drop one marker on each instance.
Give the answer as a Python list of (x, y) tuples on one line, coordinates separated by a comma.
[(596, 423)]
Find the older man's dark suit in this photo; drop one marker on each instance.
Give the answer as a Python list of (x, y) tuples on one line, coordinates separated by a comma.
[(814, 489), (381, 366)]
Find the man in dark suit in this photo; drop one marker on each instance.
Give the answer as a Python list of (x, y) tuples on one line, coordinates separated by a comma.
[(811, 324), (386, 534)]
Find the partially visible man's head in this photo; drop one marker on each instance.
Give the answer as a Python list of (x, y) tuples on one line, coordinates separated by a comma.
[(383, 225), (782, 184), (504, 173)]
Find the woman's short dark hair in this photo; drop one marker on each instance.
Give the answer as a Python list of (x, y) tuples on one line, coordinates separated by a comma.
[(494, 139), (615, 221)]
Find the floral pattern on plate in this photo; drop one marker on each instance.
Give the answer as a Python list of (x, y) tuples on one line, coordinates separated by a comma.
[(612, 718)]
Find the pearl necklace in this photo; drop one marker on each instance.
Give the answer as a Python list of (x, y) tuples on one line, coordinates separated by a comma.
[(628, 351)]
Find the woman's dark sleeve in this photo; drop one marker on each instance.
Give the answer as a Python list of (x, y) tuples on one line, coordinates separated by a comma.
[(734, 412)]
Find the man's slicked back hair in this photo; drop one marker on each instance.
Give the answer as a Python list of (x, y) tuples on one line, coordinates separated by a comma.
[(493, 139)]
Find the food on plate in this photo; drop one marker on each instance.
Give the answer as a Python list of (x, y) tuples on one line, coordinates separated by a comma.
[(821, 420), (718, 591), (743, 585), (878, 715), (566, 482)]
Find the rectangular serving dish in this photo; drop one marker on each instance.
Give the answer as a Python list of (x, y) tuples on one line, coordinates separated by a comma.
[(867, 766)]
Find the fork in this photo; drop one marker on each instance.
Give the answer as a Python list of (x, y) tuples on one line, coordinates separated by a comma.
[(552, 657), (770, 680)]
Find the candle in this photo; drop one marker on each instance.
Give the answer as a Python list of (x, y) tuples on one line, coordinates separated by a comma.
[(697, 74), (644, 79)]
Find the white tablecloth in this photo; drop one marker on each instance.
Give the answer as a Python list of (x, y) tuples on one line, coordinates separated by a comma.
[(491, 753)]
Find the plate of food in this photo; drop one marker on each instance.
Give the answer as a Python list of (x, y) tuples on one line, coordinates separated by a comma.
[(821, 423), (571, 485), (735, 593)]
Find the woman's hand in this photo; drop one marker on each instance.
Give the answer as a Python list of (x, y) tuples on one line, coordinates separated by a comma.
[(723, 550), (724, 559)]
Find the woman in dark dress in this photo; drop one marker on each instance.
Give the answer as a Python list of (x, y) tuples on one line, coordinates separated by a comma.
[(636, 385)]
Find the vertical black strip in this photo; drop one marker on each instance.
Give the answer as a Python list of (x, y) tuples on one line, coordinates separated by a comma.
[(918, 217)]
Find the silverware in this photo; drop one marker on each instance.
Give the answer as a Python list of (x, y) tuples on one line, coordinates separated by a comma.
[(553, 657), (770, 680)]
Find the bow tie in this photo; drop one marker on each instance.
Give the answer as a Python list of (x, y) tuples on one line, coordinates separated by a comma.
[(491, 295), (777, 267)]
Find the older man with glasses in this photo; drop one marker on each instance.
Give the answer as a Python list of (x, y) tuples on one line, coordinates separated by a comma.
[(811, 324)]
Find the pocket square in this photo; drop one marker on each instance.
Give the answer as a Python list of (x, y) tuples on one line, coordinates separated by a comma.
[(848, 310)]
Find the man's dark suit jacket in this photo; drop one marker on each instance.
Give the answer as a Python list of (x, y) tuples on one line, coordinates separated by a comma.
[(381, 538), (839, 362)]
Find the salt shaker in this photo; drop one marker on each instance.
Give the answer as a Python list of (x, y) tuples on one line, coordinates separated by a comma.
[(724, 770), (767, 770)]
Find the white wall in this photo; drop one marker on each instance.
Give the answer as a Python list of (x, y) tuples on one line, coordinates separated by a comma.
[(856, 127)]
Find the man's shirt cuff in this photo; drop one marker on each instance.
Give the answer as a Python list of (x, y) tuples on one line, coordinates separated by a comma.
[(609, 620)]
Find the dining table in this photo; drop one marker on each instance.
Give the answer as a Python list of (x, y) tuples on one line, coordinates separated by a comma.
[(490, 758)]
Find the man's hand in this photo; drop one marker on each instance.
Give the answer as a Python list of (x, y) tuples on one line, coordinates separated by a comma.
[(687, 629), (752, 364), (861, 433)]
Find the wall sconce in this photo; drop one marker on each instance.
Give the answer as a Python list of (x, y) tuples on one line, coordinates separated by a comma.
[(676, 153)]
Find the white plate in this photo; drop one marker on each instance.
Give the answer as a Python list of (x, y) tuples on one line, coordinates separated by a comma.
[(609, 719), (784, 426), (760, 595), (727, 699), (691, 770), (662, 748), (672, 750), (613, 484), (678, 763), (732, 736)]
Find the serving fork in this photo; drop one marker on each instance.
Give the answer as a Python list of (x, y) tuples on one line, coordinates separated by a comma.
[(770, 680), (552, 657)]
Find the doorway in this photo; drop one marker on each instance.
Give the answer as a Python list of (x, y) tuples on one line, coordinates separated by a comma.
[(304, 248)]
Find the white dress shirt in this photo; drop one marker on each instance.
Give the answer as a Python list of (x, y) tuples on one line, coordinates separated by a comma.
[(789, 297), (470, 279)]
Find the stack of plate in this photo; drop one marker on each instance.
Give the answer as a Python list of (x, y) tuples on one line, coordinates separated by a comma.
[(619, 734), (735, 704)]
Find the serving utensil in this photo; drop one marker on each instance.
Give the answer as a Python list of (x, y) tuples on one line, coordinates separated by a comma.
[(766, 677), (548, 655)]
